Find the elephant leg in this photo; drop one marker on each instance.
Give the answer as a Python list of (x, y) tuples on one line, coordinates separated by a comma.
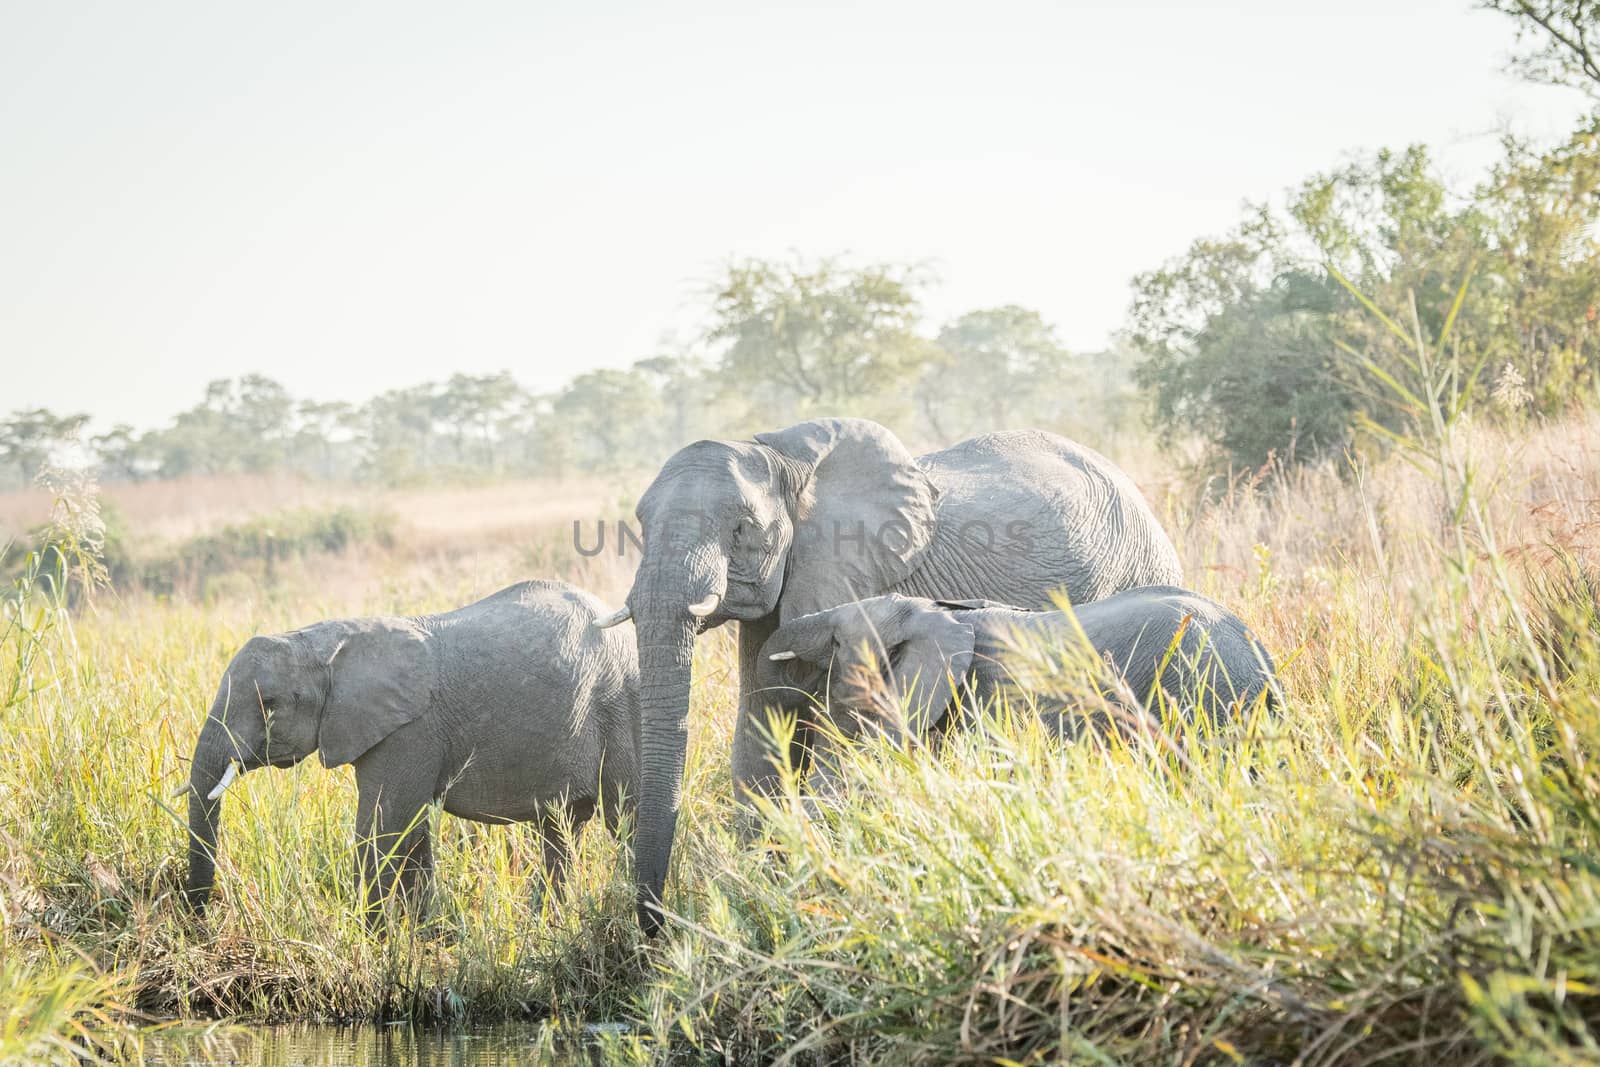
[(394, 847), (752, 753), (824, 778), (616, 800), (557, 827)]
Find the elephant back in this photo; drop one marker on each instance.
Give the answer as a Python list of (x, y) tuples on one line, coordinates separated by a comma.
[(1023, 515), (547, 627), (1216, 657)]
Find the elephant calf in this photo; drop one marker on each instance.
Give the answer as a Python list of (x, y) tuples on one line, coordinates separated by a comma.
[(513, 709), (895, 664)]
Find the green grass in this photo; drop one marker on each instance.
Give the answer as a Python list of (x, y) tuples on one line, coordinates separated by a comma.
[(60, 1012), (1401, 866)]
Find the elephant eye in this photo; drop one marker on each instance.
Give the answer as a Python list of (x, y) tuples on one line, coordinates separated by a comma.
[(750, 532)]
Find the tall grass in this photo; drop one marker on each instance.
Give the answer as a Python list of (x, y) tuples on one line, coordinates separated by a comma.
[(1399, 868), (60, 1013), (1400, 865)]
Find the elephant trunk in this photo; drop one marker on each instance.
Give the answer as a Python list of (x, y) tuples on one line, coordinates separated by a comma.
[(666, 650), (213, 756)]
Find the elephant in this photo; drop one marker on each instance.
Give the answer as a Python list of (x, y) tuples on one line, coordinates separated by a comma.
[(826, 511), (896, 665), (512, 709)]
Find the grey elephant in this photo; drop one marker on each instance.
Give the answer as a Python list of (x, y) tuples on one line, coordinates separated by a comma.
[(895, 665), (758, 532), (512, 709)]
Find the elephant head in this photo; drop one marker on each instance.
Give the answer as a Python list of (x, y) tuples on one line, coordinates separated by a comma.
[(334, 688), (889, 663), (793, 521)]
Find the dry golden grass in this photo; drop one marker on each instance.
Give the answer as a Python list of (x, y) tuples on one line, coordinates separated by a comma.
[(166, 511), (176, 509), (1539, 483)]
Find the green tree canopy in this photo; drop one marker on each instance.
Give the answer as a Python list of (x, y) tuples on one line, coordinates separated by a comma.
[(822, 337), (1247, 339)]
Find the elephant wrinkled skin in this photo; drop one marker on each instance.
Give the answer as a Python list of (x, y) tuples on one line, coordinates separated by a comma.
[(895, 665), (831, 510), (511, 709)]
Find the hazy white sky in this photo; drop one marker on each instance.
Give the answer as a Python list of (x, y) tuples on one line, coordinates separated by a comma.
[(352, 197)]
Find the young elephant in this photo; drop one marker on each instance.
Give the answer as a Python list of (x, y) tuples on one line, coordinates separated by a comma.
[(513, 709), (894, 664)]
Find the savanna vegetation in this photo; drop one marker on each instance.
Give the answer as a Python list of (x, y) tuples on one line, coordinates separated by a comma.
[(1383, 392)]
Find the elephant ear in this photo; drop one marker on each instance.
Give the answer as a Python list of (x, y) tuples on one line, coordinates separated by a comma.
[(864, 514), (931, 657), (378, 681)]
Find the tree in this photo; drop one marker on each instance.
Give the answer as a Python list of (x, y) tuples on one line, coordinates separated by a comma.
[(991, 370), (807, 338), (1243, 336), (124, 454), (1263, 380), (683, 382), (243, 424), (1542, 267), (474, 406), (263, 412), (1183, 320), (608, 418), (322, 431), (1248, 340), (1560, 41), (525, 440), (28, 439), (400, 434)]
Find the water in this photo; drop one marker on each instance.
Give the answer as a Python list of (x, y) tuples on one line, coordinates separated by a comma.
[(389, 1046)]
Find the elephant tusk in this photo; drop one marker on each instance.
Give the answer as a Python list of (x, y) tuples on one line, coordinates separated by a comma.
[(705, 607), (186, 787), (779, 657), (227, 779), (621, 615)]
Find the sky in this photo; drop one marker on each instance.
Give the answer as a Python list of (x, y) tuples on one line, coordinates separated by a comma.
[(354, 197)]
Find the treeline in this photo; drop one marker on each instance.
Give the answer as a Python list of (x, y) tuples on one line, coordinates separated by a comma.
[(1277, 342), (784, 341)]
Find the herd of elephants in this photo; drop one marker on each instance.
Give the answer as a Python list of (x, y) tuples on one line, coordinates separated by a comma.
[(875, 591)]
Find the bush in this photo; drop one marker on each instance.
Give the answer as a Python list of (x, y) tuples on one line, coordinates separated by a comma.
[(257, 547)]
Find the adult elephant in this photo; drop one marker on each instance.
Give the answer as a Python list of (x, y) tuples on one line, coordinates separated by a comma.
[(833, 510)]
